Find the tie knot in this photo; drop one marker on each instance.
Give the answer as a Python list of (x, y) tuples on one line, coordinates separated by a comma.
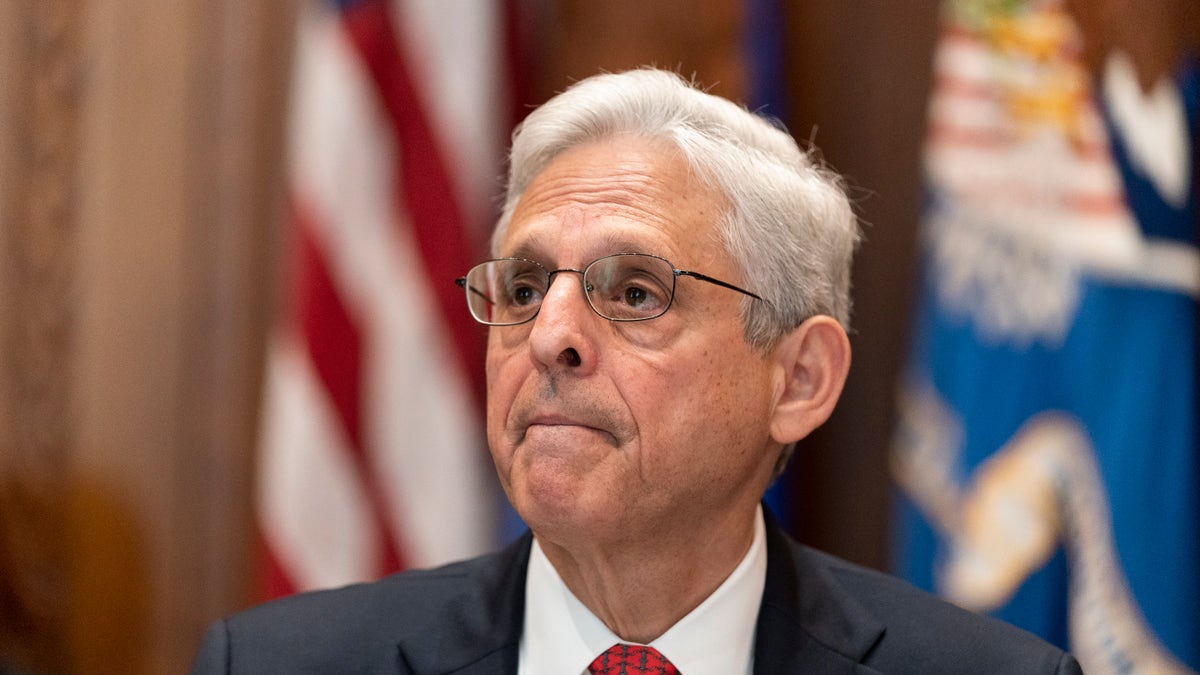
[(622, 659)]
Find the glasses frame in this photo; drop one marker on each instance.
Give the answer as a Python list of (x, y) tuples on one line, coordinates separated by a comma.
[(461, 282)]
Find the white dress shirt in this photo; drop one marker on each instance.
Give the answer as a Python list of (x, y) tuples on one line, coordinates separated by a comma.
[(716, 638)]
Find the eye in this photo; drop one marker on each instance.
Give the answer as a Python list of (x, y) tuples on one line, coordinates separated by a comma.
[(630, 288), (525, 290), (636, 296)]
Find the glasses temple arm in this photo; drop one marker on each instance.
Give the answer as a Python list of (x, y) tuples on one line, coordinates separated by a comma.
[(462, 283), (711, 280)]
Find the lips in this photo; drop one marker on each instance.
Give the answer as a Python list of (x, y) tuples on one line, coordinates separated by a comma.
[(558, 421), (591, 419)]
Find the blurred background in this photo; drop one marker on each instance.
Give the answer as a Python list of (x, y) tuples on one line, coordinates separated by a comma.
[(228, 232)]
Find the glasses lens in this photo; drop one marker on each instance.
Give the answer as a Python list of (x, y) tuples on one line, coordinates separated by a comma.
[(505, 292), (630, 287)]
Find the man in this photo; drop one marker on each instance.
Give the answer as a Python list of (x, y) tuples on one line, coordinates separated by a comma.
[(667, 307)]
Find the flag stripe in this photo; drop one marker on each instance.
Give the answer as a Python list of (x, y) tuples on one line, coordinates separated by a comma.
[(329, 333), (423, 184), (314, 515), (335, 349)]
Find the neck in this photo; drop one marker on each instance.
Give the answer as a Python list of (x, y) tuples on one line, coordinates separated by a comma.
[(639, 589)]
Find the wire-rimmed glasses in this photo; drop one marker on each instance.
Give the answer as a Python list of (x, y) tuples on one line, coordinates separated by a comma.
[(620, 287)]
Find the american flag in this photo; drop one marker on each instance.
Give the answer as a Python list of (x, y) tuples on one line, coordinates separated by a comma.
[(372, 455)]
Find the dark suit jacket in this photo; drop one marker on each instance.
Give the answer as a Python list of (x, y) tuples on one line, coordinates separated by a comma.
[(819, 615)]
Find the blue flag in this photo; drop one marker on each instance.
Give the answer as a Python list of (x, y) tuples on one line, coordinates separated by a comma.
[(1048, 457)]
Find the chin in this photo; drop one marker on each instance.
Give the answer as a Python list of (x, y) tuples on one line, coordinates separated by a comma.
[(561, 510), (545, 499)]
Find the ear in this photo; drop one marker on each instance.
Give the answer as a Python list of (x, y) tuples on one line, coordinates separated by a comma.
[(812, 364)]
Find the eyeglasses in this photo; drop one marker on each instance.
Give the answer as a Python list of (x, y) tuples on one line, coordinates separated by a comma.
[(621, 287)]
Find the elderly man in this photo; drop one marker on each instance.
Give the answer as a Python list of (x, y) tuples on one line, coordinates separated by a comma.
[(667, 309)]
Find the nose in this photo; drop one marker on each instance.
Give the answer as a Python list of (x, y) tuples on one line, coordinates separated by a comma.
[(563, 332)]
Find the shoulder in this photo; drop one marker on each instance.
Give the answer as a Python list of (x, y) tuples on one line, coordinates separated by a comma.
[(925, 633), (392, 602), (355, 628)]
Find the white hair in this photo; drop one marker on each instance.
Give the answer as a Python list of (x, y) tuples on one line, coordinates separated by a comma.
[(789, 225)]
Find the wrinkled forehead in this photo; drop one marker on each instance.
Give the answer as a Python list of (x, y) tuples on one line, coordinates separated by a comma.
[(623, 143), (618, 195)]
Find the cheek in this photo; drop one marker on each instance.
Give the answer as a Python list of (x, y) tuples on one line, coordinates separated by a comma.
[(717, 398), (506, 363), (502, 384), (668, 397)]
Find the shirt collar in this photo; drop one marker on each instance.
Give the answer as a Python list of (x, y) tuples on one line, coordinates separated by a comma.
[(562, 636)]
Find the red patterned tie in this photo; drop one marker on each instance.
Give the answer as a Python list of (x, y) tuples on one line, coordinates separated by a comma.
[(622, 659)]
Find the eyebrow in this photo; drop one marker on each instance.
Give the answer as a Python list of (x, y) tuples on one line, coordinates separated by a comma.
[(608, 245), (526, 251)]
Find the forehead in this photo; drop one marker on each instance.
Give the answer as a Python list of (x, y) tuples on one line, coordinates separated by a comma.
[(619, 195)]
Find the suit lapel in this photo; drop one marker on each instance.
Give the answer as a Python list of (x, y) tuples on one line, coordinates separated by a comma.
[(807, 622), (481, 631)]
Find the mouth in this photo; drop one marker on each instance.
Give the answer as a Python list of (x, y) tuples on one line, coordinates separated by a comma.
[(563, 424), (557, 421)]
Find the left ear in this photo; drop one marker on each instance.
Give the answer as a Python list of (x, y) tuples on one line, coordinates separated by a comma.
[(812, 363)]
